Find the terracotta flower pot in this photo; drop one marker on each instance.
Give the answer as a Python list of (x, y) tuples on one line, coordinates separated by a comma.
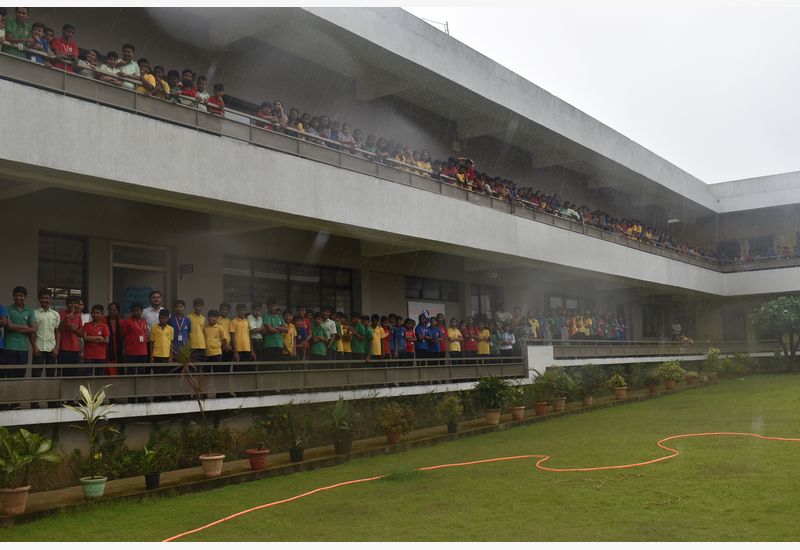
[(669, 384), (690, 380), (621, 393), (93, 487), (518, 413), (393, 438), (492, 417), (258, 458), (212, 464), (559, 403), (14, 501), (587, 400), (653, 388), (343, 443), (452, 427), (540, 408)]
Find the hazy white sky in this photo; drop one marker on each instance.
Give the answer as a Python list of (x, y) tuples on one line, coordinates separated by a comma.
[(713, 87)]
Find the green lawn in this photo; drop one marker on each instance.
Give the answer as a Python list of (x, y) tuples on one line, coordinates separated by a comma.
[(719, 489)]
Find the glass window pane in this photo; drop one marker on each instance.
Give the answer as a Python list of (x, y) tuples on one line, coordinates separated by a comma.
[(430, 289), (413, 287), (265, 289), (449, 291), (236, 288), (270, 270), (305, 274), (145, 257)]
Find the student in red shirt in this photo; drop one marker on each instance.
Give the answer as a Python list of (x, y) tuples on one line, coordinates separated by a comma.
[(134, 334), (386, 349), (95, 340), (216, 103), (470, 333), (65, 49), (69, 351)]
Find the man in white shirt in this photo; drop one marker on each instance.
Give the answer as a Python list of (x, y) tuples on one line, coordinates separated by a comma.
[(256, 322), (150, 314), (45, 346), (330, 326), (129, 68)]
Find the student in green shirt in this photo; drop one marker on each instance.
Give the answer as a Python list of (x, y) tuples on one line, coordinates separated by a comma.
[(20, 329), (274, 329), (18, 33), (358, 340), (368, 333), (319, 340)]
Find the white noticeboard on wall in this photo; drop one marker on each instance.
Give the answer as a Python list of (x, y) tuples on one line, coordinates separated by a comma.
[(415, 308)]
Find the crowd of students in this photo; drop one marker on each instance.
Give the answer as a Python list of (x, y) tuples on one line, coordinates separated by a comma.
[(38, 43), (154, 334)]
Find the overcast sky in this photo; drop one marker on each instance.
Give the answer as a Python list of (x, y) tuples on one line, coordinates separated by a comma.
[(713, 87)]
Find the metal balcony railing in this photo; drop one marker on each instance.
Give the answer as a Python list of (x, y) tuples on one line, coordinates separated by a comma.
[(597, 349), (60, 383)]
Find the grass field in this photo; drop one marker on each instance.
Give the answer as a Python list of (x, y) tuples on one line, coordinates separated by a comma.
[(719, 489)]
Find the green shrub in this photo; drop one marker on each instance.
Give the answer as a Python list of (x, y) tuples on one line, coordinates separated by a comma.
[(670, 370), (491, 392)]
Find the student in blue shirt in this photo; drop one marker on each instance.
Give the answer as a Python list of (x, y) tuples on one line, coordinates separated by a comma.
[(421, 331), (181, 325), (398, 341), (41, 43)]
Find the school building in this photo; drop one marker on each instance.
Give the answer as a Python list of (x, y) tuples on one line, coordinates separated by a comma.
[(109, 193)]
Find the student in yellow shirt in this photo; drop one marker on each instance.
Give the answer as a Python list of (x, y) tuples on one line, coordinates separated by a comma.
[(454, 340), (377, 335), (240, 338), (161, 335), (216, 341), (290, 336), (484, 341), (225, 323), (197, 340)]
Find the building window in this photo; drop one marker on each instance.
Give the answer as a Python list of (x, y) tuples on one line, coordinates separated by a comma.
[(251, 280), (734, 325), (760, 246), (136, 271), (482, 300), (62, 267), (729, 249), (654, 322), (431, 289)]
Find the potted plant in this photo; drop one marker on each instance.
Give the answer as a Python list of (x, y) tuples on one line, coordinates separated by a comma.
[(691, 377), (287, 427), (95, 417), (21, 452), (518, 395), (562, 386), (589, 383), (257, 456), (541, 395), (617, 383), (670, 372), (211, 461), (651, 380), (341, 421), (450, 410), (491, 393), (395, 420), (150, 467)]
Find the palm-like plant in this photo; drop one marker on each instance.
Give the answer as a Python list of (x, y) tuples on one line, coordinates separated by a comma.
[(194, 376), (19, 453), (95, 415)]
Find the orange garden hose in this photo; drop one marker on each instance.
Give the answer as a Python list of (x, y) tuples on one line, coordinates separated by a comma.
[(539, 466)]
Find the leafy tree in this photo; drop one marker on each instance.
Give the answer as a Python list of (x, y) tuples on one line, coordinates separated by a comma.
[(780, 319)]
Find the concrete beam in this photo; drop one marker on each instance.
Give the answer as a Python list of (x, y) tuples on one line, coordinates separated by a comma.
[(225, 226), (9, 190), (372, 249), (377, 83)]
